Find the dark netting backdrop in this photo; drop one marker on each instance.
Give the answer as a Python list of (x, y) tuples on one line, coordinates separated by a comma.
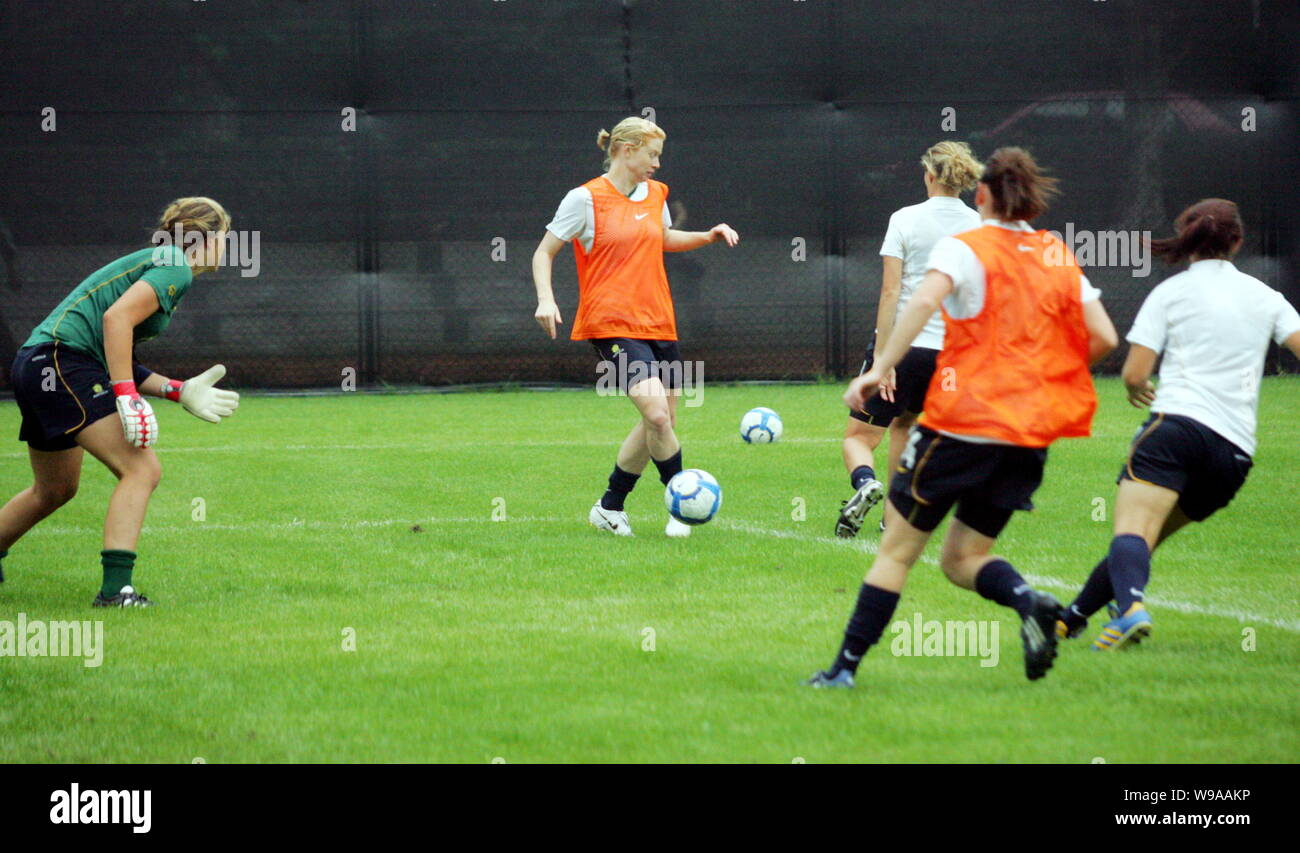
[(399, 160)]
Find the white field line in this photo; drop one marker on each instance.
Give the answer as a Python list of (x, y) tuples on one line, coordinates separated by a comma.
[(864, 546), (430, 448)]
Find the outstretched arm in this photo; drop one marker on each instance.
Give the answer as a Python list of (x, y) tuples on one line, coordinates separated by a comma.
[(685, 241)]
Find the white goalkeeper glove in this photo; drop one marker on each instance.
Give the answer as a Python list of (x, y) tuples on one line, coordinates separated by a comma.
[(201, 399), (139, 424)]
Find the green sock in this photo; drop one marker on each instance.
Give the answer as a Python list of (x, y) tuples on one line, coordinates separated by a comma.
[(117, 571)]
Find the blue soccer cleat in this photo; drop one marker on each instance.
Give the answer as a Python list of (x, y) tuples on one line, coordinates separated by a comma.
[(820, 679), (1121, 631)]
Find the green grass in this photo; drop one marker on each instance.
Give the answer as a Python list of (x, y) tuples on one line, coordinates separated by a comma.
[(522, 639)]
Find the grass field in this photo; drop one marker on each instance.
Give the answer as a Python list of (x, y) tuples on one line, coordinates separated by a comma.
[(524, 639)]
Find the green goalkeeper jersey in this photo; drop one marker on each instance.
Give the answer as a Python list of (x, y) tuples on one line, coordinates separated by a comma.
[(78, 321)]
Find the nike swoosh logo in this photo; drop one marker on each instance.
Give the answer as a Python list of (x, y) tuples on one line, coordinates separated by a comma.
[(641, 216), (852, 657), (1025, 248)]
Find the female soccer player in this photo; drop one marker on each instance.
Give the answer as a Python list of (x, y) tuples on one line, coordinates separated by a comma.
[(949, 170), (77, 387), (620, 228), (1020, 330), (1213, 324)]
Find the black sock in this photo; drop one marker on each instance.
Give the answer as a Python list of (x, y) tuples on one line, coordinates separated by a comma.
[(670, 467), (620, 483), (1130, 569), (860, 475), (3, 554), (999, 581), (118, 566), (1093, 597), (872, 613)]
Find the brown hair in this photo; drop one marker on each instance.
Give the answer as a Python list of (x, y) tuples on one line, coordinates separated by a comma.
[(953, 165), (1020, 188), (632, 131), (1211, 228), (193, 214)]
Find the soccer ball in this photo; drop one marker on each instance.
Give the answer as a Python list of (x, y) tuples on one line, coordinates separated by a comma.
[(760, 426), (693, 496)]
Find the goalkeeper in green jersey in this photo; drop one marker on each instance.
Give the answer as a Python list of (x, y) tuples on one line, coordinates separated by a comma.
[(79, 389)]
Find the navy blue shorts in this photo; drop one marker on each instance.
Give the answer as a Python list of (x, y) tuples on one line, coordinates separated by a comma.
[(1183, 454), (627, 361), (59, 392), (987, 482), (914, 373)]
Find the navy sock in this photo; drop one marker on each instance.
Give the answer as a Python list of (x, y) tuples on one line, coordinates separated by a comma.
[(872, 613), (860, 475), (1130, 569), (999, 581), (670, 467), (620, 483), (1093, 597)]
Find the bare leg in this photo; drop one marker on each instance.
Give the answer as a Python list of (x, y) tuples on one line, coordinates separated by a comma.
[(860, 443), (55, 479), (138, 472)]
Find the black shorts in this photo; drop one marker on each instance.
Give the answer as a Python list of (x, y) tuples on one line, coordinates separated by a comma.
[(914, 373), (1184, 455), (59, 392), (987, 482), (626, 361)]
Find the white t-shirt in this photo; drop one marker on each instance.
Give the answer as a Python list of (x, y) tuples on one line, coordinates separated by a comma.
[(912, 233), (959, 262), (1213, 324), (576, 215)]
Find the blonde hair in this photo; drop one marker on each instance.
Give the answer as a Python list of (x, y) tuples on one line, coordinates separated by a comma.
[(952, 164), (195, 214), (632, 132)]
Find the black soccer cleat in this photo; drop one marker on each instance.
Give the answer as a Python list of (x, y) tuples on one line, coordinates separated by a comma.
[(1038, 634), (127, 597), (853, 510)]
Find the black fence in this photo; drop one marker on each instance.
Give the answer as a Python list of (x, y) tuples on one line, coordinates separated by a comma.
[(399, 160)]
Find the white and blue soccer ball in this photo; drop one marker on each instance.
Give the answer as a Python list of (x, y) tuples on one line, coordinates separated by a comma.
[(760, 426), (693, 496)]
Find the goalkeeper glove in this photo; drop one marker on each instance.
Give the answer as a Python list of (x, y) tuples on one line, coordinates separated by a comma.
[(201, 399), (139, 424)]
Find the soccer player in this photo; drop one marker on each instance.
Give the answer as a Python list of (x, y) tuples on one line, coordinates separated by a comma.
[(949, 170), (1212, 324), (620, 228), (78, 387), (1021, 326)]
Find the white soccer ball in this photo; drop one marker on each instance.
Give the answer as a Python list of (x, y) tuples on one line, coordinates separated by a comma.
[(760, 426), (693, 496)]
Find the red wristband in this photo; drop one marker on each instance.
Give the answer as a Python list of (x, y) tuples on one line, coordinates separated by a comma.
[(172, 390), (125, 388)]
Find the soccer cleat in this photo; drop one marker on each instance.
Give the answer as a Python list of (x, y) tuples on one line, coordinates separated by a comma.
[(855, 508), (1065, 632), (127, 597), (1129, 629), (821, 679), (1038, 635), (613, 520), (677, 529)]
